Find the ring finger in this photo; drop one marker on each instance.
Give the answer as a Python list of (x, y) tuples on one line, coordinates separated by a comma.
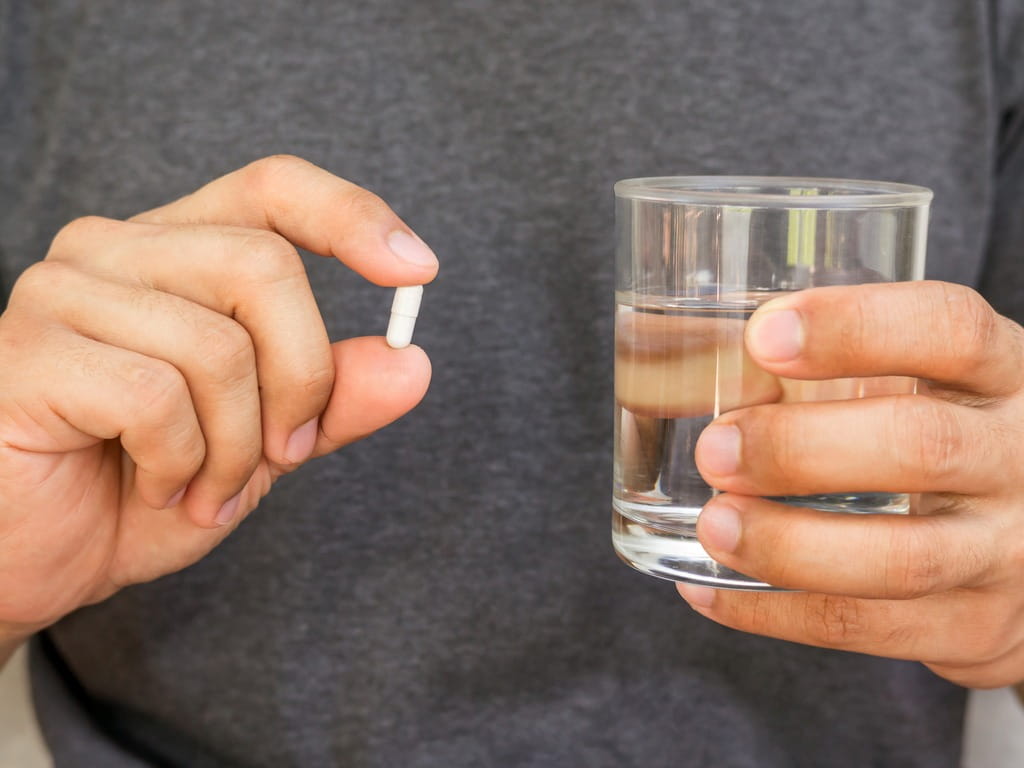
[(870, 556), (904, 444)]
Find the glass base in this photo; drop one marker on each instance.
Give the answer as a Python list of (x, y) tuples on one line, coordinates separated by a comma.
[(669, 549), (852, 503)]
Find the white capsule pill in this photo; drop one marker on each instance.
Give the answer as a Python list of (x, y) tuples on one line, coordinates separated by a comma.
[(404, 309)]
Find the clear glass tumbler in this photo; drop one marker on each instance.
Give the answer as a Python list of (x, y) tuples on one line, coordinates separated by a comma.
[(695, 257)]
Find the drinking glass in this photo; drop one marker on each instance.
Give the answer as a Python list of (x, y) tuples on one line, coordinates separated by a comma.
[(695, 257)]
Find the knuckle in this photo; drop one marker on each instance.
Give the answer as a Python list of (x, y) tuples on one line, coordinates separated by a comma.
[(81, 227), (1015, 354), (24, 339), (930, 439), (41, 279), (978, 561), (157, 388), (181, 450), (226, 352), (835, 621), (973, 325), (266, 171), (758, 616), (915, 563), (270, 258)]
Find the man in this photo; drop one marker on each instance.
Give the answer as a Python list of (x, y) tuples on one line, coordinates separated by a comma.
[(444, 593)]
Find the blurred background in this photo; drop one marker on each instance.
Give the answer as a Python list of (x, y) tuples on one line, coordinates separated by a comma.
[(994, 735)]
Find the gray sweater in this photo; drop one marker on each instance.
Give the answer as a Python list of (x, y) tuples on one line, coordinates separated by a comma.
[(444, 593)]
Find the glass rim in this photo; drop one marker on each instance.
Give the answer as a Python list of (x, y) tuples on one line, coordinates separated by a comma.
[(715, 191)]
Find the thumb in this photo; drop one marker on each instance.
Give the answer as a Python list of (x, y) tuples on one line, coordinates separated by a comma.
[(374, 385)]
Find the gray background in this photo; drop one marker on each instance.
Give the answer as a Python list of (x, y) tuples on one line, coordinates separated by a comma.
[(994, 737)]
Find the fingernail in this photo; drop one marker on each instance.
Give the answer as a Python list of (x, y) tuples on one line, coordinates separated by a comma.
[(300, 444), (718, 449), (776, 336), (175, 500), (411, 250), (227, 512), (719, 527), (697, 595)]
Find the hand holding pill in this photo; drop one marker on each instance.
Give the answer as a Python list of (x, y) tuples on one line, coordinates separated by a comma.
[(158, 375)]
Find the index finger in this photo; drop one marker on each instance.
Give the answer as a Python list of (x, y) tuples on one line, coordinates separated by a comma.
[(938, 331), (315, 210)]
